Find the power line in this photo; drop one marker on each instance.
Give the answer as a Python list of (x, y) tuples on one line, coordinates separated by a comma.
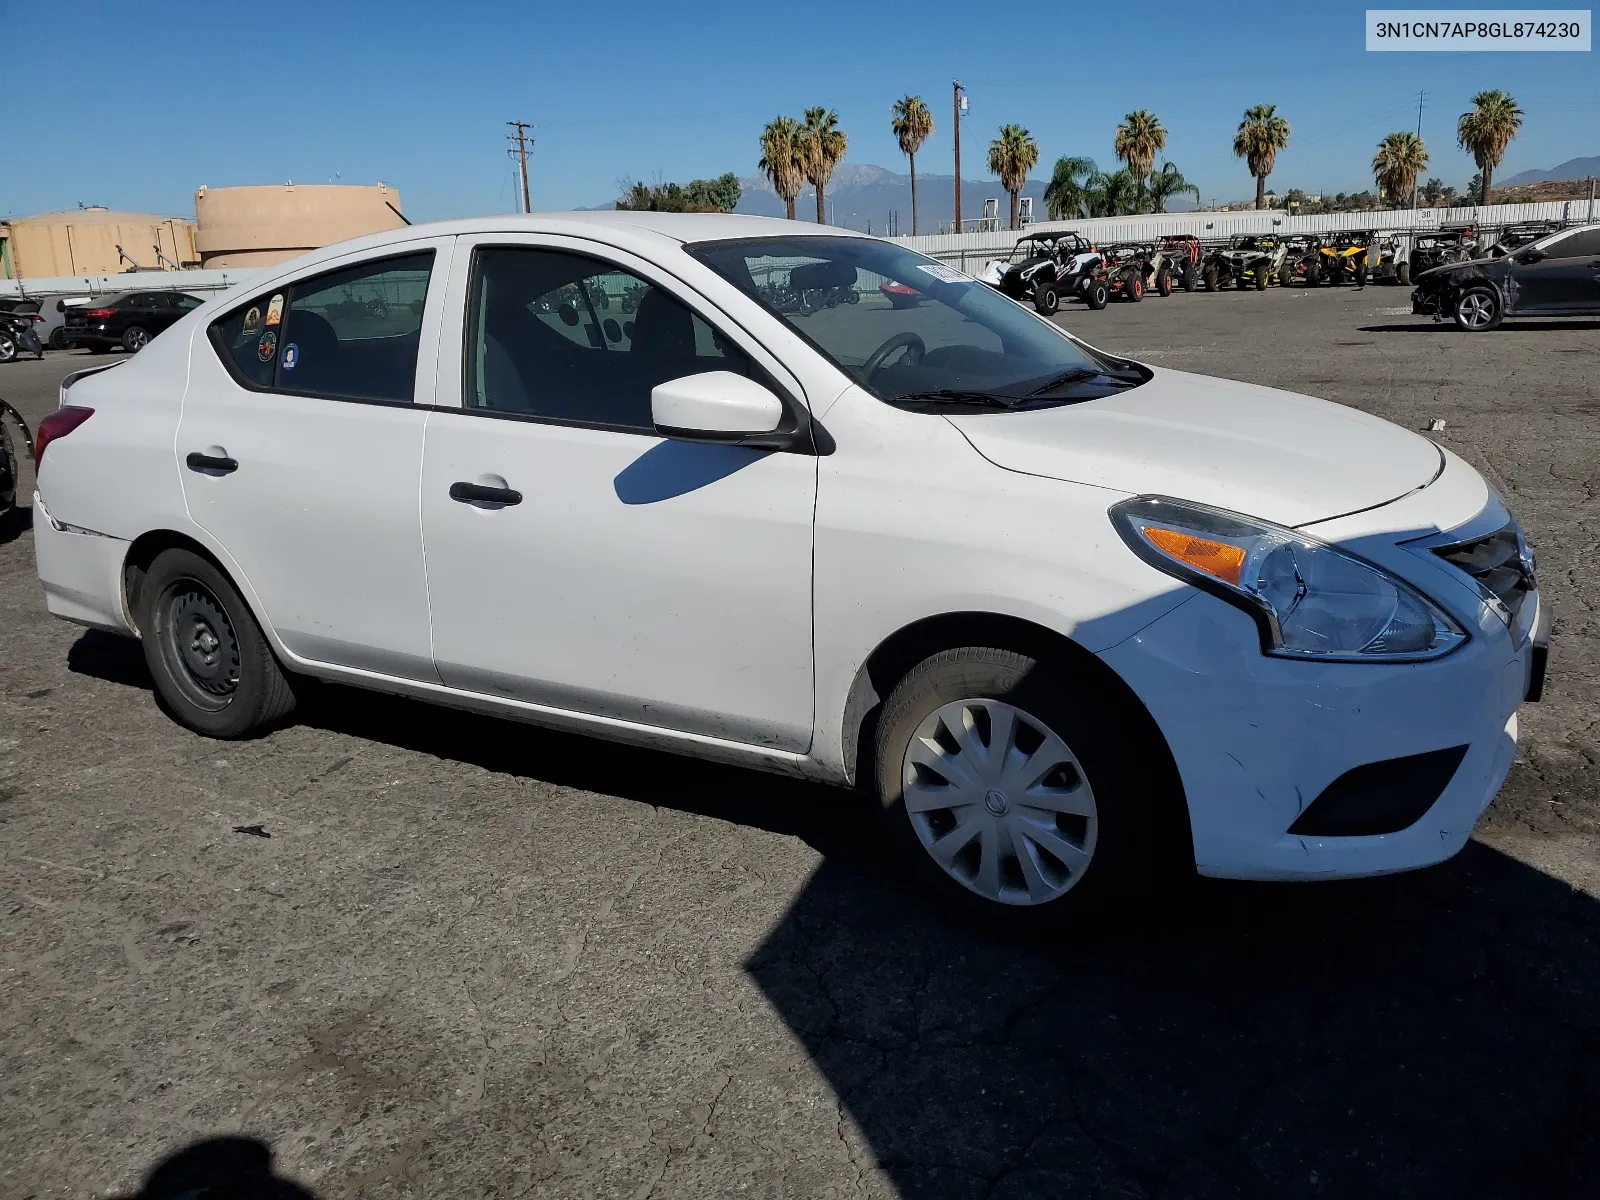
[(520, 141)]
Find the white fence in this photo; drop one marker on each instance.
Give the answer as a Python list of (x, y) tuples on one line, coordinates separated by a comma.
[(972, 250)]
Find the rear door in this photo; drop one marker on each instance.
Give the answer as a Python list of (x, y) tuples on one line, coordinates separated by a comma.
[(300, 449), (1576, 277)]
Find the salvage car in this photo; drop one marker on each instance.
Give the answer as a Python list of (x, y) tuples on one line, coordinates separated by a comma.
[(1078, 624), (1556, 276)]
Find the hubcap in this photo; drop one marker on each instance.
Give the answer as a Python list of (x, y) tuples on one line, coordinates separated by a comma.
[(198, 641), (1476, 310), (138, 338), (1000, 802)]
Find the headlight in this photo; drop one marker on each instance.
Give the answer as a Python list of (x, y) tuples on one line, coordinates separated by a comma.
[(1309, 599)]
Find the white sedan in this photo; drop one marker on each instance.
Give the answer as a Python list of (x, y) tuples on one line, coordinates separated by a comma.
[(702, 483)]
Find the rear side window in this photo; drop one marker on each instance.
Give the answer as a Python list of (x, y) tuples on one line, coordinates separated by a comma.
[(347, 335)]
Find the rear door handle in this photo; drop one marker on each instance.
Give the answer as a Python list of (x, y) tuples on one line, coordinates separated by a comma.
[(477, 493), (212, 464)]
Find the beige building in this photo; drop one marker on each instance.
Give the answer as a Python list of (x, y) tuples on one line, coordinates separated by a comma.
[(93, 241), (262, 226)]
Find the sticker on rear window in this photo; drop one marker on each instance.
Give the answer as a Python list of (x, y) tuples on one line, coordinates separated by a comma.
[(291, 355), (252, 321), (275, 309), (940, 272), (267, 346)]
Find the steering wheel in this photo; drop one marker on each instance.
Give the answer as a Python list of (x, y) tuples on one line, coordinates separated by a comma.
[(914, 346)]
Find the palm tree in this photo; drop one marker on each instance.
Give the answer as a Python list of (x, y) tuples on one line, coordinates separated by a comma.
[(1487, 130), (1261, 135), (1167, 183), (781, 159), (1113, 195), (1139, 138), (1067, 194), (912, 125), (1011, 156), (1401, 157), (823, 144)]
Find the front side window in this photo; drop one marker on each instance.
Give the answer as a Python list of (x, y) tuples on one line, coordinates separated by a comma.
[(567, 338), (952, 340), (351, 334)]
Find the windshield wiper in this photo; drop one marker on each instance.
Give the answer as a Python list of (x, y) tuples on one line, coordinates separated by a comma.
[(1076, 375), (956, 396)]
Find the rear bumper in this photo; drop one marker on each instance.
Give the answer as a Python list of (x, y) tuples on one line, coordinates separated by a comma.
[(81, 572)]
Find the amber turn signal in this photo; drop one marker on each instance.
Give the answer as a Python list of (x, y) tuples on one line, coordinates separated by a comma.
[(1217, 559)]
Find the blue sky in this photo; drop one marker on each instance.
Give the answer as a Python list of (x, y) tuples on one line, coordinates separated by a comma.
[(136, 112)]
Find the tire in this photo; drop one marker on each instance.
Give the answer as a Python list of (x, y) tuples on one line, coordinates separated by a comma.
[(1477, 310), (58, 338), (1191, 277), (1046, 299), (1361, 276), (8, 347), (1261, 272), (1096, 295), (1313, 274), (135, 338), (1132, 286), (1099, 831), (211, 664), (1213, 281), (1163, 282), (1336, 275), (1402, 274)]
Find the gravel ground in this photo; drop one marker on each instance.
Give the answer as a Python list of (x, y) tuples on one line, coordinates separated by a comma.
[(468, 958)]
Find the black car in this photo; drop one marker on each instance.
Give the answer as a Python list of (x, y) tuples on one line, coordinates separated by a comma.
[(128, 319), (1555, 276)]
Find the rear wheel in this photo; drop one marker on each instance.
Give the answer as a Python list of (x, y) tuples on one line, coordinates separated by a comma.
[(1336, 274), (8, 346), (1402, 274), (1477, 310), (58, 338), (1132, 286), (1011, 794), (135, 338), (1191, 277), (1163, 282), (1097, 295), (1213, 282), (1045, 298), (1313, 274), (209, 659), (1361, 276)]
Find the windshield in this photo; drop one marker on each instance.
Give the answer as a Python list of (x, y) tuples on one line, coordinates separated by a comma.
[(1028, 248), (953, 337)]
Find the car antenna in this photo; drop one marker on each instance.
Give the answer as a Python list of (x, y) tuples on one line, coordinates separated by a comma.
[(397, 212)]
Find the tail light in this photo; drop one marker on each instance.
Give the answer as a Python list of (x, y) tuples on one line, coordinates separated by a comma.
[(57, 424), (99, 314)]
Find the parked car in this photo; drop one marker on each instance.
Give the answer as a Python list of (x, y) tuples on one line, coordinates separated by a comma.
[(50, 309), (128, 319), (19, 329), (1556, 276), (1077, 622)]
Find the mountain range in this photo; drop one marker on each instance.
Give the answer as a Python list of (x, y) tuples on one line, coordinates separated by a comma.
[(1573, 168)]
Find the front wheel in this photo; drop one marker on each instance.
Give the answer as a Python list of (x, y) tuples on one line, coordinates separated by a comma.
[(1212, 279), (210, 661), (1477, 310), (1262, 271), (1361, 276), (1132, 287), (8, 346), (1163, 282), (1402, 274), (1046, 299), (1313, 274), (1097, 295), (1005, 790), (1191, 278)]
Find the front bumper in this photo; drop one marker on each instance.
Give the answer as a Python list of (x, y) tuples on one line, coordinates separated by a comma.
[(1424, 303), (1256, 739)]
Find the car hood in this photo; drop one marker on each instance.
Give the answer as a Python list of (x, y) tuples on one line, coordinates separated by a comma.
[(1276, 455)]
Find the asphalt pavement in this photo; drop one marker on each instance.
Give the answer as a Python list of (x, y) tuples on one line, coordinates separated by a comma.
[(396, 951)]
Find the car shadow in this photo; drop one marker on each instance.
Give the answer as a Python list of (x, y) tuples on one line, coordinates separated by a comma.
[(220, 1168), (1430, 1034), (14, 523), (672, 468), (1513, 325)]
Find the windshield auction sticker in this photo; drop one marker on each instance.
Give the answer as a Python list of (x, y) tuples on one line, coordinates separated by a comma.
[(1457, 29)]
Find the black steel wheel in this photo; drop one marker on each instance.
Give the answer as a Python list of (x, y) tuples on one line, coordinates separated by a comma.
[(210, 661), (1096, 294)]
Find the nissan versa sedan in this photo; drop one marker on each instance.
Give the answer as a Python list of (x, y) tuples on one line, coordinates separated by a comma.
[(1077, 622)]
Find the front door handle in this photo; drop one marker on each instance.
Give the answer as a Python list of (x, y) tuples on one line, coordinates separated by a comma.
[(477, 493), (212, 464)]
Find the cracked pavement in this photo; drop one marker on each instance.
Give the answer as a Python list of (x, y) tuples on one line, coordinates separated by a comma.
[(476, 959)]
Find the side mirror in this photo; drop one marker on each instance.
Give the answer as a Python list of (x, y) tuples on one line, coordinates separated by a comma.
[(1531, 256), (719, 406)]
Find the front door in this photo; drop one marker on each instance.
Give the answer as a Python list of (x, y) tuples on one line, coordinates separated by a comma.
[(300, 450), (576, 559)]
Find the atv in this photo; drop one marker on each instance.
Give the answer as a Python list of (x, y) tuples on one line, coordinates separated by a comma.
[(1345, 257), (1451, 244), (1389, 258), (1180, 254), (1253, 258), (1060, 258), (1302, 260), (1122, 273)]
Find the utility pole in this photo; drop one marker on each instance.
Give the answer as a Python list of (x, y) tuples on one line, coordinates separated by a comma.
[(956, 90), (520, 141), (1420, 96)]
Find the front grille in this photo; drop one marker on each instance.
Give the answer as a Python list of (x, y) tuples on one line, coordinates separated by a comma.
[(1501, 563)]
